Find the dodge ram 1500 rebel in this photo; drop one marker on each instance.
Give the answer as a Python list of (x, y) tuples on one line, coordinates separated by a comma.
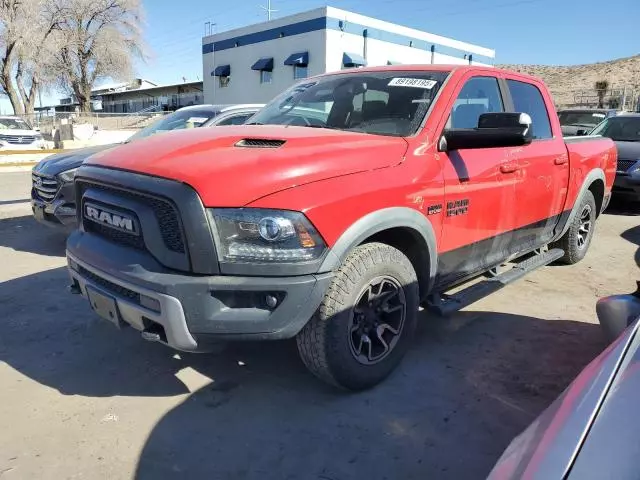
[(347, 202)]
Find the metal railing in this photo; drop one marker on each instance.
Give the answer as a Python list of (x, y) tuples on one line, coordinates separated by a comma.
[(46, 122)]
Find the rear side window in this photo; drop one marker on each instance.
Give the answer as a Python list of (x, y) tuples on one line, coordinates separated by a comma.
[(479, 95), (528, 99)]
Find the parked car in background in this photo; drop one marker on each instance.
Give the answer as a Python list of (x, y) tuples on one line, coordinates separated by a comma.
[(624, 130), (579, 121), (17, 134), (52, 194), (352, 198), (591, 430)]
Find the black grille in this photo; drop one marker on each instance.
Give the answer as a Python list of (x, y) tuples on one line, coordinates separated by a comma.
[(625, 165), (45, 186), (260, 143), (116, 236), (110, 286), (165, 213)]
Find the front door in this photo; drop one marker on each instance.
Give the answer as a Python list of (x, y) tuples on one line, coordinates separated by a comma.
[(479, 208)]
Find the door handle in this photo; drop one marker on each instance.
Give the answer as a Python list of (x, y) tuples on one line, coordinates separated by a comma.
[(561, 160), (508, 167)]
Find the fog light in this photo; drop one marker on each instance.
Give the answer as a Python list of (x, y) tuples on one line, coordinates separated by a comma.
[(150, 303), (271, 301), (73, 264)]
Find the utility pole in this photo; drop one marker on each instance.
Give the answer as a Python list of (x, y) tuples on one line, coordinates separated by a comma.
[(268, 9)]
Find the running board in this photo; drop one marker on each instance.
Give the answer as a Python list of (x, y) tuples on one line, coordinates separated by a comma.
[(448, 304)]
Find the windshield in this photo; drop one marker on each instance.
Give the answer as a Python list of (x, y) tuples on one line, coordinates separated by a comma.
[(380, 103), (178, 120), (14, 124), (581, 119), (620, 129)]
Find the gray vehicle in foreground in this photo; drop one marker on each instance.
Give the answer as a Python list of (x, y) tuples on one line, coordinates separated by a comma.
[(52, 194), (624, 130), (592, 431)]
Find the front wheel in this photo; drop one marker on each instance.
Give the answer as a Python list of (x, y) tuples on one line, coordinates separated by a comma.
[(577, 239), (366, 320)]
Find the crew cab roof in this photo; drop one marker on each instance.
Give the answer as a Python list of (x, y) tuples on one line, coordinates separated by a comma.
[(459, 69)]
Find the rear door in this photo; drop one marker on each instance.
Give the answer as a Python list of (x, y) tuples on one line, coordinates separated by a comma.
[(479, 208), (542, 174)]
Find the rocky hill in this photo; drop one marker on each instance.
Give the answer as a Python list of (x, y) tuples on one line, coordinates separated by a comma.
[(573, 85)]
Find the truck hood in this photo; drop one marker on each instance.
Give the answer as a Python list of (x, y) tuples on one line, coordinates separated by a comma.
[(19, 132), (60, 162), (235, 165)]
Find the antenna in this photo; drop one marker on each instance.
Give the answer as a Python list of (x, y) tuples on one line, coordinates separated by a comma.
[(268, 9)]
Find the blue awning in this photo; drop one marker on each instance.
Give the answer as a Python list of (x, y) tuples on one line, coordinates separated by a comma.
[(222, 71), (301, 59), (263, 64), (353, 60)]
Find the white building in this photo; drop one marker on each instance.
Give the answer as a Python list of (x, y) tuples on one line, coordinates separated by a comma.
[(255, 63)]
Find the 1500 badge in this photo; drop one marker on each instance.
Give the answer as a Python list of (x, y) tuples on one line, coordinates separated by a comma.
[(458, 207)]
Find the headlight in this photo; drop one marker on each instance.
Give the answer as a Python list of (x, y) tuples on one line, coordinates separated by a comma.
[(263, 236), (68, 175)]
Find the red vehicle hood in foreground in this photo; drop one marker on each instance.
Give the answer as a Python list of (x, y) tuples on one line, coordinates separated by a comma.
[(226, 174)]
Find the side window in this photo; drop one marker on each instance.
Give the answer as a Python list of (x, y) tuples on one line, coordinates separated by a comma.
[(235, 120), (479, 95), (528, 99)]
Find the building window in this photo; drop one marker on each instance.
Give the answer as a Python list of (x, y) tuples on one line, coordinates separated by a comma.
[(300, 71), (265, 76), (224, 81)]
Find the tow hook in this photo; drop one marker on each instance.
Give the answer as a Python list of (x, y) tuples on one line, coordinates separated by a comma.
[(150, 336)]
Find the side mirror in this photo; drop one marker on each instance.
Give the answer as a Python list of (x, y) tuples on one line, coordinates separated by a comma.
[(494, 130)]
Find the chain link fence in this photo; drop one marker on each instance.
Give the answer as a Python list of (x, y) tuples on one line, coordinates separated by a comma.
[(48, 122), (625, 98)]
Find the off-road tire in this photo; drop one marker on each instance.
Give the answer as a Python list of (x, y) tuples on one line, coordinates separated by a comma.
[(570, 241), (325, 344)]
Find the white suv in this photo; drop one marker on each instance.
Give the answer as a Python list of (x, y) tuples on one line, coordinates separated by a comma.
[(17, 134)]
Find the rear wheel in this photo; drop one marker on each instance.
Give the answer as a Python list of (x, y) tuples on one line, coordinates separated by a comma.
[(366, 320), (577, 239)]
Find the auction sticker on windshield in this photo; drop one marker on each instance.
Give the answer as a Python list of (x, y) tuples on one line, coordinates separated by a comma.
[(413, 82)]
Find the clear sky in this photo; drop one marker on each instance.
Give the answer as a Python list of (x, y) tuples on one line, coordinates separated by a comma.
[(554, 32), (560, 32)]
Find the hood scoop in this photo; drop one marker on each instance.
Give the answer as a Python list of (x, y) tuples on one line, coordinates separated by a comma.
[(259, 143)]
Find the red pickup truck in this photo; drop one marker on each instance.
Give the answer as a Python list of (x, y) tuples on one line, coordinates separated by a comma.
[(349, 201)]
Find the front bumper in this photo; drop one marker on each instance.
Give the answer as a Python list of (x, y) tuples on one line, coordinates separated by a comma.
[(627, 186), (190, 312)]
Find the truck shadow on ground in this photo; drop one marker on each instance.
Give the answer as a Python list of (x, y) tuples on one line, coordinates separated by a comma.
[(468, 385), (26, 235)]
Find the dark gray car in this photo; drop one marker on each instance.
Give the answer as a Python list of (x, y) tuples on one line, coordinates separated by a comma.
[(624, 130), (591, 431), (52, 195)]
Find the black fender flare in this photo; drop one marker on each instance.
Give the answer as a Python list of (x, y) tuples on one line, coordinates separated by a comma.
[(592, 176), (378, 221)]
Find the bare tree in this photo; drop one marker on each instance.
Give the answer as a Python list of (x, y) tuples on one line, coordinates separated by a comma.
[(25, 32), (98, 39)]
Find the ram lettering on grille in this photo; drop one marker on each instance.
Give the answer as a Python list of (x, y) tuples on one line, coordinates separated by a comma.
[(111, 219)]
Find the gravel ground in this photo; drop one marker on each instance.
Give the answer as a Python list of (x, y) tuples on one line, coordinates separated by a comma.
[(81, 399)]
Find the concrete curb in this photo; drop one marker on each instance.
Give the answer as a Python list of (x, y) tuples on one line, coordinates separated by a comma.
[(31, 152)]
